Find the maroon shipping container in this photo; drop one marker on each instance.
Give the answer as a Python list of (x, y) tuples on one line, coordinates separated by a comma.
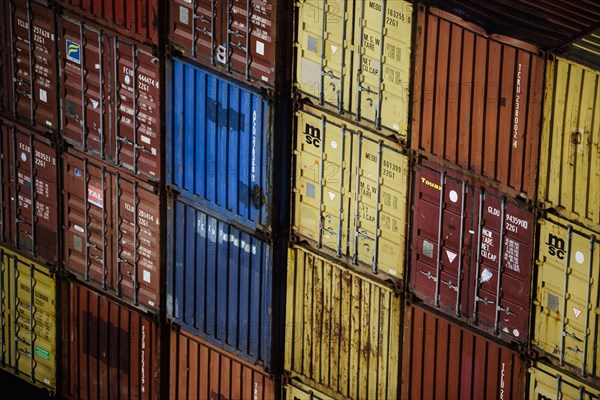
[(477, 101), (109, 351), (31, 51), (202, 371), (445, 361), (136, 19), (29, 217), (4, 59), (110, 97), (235, 36), (105, 244), (472, 253)]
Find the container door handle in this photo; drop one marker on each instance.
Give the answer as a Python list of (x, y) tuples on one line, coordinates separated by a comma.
[(506, 310)]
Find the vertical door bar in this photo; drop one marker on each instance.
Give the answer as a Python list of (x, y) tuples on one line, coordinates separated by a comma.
[(321, 185), (587, 306), (357, 197), (564, 299), (478, 259), (460, 250), (438, 261), (374, 265), (33, 194), (341, 191), (500, 260)]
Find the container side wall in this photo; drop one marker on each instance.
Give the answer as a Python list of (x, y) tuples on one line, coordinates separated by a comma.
[(548, 383)]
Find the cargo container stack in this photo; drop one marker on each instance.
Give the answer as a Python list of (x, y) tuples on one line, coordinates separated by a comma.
[(227, 176), (349, 196)]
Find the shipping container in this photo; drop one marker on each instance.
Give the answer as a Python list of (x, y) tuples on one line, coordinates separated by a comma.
[(585, 50), (342, 329), (109, 351), (297, 391), (29, 218), (201, 371), (443, 360), (31, 49), (569, 181), (110, 97), (547, 383), (106, 245), (567, 308), (354, 58), (135, 19), (472, 253), (350, 191), (220, 282), (477, 101), (4, 61), (220, 146), (28, 320), (237, 37)]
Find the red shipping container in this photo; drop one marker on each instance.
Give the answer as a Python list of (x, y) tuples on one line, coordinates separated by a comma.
[(136, 19), (202, 371), (29, 217), (237, 37), (110, 97), (445, 361), (105, 244), (477, 101), (109, 351), (4, 60), (30, 53), (472, 253)]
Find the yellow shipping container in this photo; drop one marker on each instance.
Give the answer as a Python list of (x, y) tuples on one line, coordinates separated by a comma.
[(28, 295), (354, 56), (570, 157), (567, 312), (298, 391), (350, 192), (342, 329), (548, 383)]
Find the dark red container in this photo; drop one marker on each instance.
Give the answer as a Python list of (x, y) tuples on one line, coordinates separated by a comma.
[(136, 19), (237, 37), (30, 54), (109, 351), (111, 97), (30, 221), (472, 253), (105, 244), (202, 371), (4, 60), (477, 101), (443, 360)]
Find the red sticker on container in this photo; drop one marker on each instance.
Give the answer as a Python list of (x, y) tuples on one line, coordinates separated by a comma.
[(95, 196)]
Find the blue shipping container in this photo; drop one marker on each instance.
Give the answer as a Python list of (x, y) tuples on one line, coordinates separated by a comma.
[(219, 283), (219, 146)]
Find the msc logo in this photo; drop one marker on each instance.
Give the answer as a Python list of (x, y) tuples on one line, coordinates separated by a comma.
[(73, 52), (313, 135), (556, 246)]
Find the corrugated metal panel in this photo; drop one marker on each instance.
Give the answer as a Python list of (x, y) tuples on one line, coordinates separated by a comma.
[(220, 146), (219, 283), (548, 383), (342, 329), (201, 371), (28, 300), (110, 97), (297, 391), (355, 59), (137, 19), (569, 179), (4, 61), (350, 192), (567, 308), (477, 101), (236, 37), (105, 244), (445, 361), (29, 217), (109, 351), (31, 43), (472, 253), (585, 50)]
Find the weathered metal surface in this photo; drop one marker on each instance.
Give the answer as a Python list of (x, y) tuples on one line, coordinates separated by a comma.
[(546, 382)]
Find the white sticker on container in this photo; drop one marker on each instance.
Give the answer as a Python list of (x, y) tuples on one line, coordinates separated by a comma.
[(153, 151), (151, 303), (331, 195), (577, 312), (516, 332), (127, 79), (579, 257), (260, 47), (94, 103), (264, 78), (146, 276), (145, 139), (451, 255), (333, 144), (453, 196), (97, 66), (95, 196), (184, 14), (396, 127), (79, 228), (333, 49), (23, 156), (392, 272), (486, 275), (43, 95)]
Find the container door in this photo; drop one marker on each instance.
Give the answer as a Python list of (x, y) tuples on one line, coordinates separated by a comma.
[(546, 383), (194, 27)]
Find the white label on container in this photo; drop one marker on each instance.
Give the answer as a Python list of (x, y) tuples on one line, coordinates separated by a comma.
[(516, 332), (153, 152), (392, 272), (43, 96), (396, 127), (579, 257), (48, 123), (95, 196), (79, 228), (260, 47), (23, 156), (331, 195), (333, 49), (264, 78), (94, 103), (451, 255), (184, 14), (577, 312), (486, 275), (97, 66), (146, 276), (334, 144), (145, 139), (151, 303), (453, 196)]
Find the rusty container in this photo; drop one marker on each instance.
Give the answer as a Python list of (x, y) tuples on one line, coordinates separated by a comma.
[(443, 360), (106, 245), (477, 101), (472, 253), (30, 54), (135, 19), (110, 96), (109, 351), (199, 370), (29, 217)]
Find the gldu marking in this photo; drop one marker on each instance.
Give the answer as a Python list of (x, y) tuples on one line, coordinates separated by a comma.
[(313, 135), (556, 246)]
